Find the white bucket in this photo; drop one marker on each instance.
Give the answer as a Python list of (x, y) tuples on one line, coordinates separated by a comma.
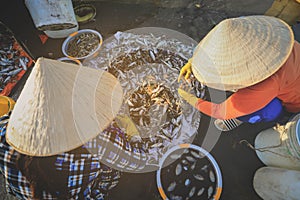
[(277, 183), (280, 147), (56, 18)]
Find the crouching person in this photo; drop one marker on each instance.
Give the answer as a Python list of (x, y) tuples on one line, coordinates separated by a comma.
[(43, 151)]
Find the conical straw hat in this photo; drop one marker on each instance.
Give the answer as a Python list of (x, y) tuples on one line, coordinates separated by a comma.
[(61, 107), (241, 52)]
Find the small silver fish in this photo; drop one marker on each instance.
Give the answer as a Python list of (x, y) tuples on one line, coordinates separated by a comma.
[(210, 191), (14, 72), (184, 162), (157, 89), (152, 55), (169, 65), (141, 43), (141, 122), (23, 64), (129, 103), (165, 138), (171, 186), (141, 112), (176, 130), (204, 168), (212, 176), (187, 182), (7, 79), (200, 192), (166, 133), (178, 169), (175, 156), (198, 177), (192, 191), (6, 69), (156, 145), (176, 197), (190, 158), (131, 64), (193, 166), (195, 154)]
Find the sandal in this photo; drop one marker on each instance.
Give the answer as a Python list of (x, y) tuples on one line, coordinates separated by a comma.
[(227, 124)]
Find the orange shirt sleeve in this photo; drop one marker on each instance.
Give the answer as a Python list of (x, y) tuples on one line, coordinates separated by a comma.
[(245, 101)]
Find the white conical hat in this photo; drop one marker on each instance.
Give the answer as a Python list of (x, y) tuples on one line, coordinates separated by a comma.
[(61, 107), (243, 51)]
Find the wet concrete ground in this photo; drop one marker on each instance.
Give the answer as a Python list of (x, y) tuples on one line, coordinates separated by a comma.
[(238, 163)]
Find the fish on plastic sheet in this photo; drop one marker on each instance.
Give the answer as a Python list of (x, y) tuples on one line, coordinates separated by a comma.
[(147, 67)]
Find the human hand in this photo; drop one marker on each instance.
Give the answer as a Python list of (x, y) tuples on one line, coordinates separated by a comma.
[(190, 98), (186, 70), (125, 122)]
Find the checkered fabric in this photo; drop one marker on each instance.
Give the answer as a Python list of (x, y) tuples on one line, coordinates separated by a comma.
[(112, 147), (81, 168)]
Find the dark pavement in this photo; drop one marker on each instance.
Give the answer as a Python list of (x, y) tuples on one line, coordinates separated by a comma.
[(238, 163)]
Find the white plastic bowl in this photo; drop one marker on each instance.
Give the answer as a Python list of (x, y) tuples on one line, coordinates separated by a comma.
[(218, 183), (74, 36)]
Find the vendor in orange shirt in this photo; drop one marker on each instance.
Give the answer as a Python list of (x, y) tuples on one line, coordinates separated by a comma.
[(258, 59)]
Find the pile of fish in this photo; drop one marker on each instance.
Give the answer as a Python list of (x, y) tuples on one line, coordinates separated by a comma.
[(153, 95), (142, 56), (147, 67), (11, 60), (82, 44), (191, 176)]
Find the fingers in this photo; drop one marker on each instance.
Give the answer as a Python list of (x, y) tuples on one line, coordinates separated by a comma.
[(180, 75), (187, 75), (185, 71)]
